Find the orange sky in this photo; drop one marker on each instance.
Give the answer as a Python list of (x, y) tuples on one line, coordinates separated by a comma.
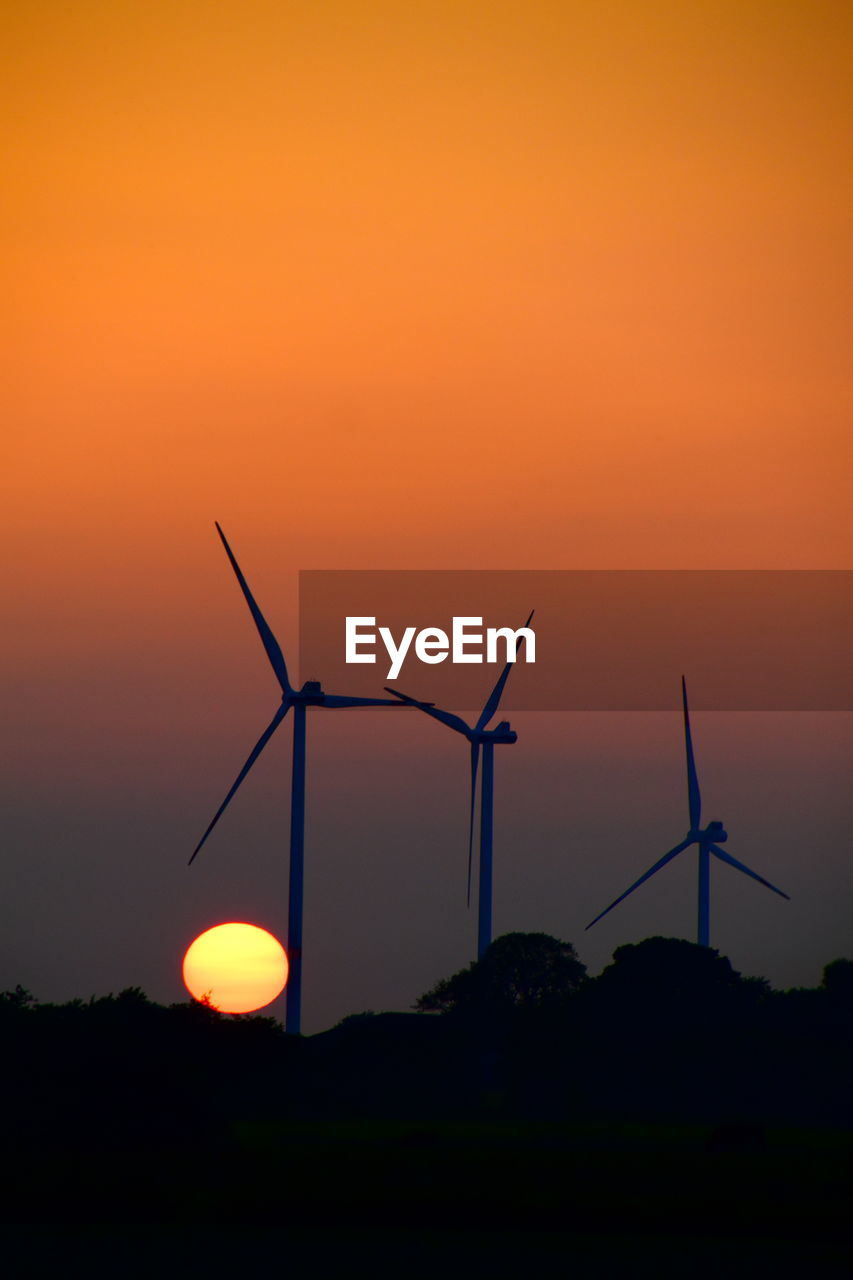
[(450, 284), (557, 279)]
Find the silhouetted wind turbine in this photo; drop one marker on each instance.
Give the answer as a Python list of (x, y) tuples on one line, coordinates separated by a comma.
[(708, 841), (310, 695), (479, 737)]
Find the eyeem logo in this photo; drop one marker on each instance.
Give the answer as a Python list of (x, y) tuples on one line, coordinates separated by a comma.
[(432, 645)]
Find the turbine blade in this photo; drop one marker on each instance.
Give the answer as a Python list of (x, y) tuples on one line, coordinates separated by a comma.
[(739, 866), (475, 760), (430, 709), (405, 697), (256, 751), (338, 700), (694, 798), (271, 645), (495, 696), (667, 857)]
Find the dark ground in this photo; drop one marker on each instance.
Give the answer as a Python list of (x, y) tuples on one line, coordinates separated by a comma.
[(630, 1127)]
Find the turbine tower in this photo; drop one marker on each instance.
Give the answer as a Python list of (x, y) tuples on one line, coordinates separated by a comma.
[(310, 695), (483, 739), (708, 841)]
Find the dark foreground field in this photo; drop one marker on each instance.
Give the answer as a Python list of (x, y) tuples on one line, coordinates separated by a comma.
[(637, 1126), (632, 1200), (407, 1198)]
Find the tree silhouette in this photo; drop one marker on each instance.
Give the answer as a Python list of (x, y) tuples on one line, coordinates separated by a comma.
[(519, 971), (663, 970), (838, 983)]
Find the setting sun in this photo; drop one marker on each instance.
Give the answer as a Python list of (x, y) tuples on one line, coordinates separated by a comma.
[(238, 967)]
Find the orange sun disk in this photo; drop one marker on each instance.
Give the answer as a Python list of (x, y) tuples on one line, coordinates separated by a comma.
[(238, 967)]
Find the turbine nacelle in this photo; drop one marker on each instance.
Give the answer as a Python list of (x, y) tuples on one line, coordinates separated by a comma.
[(311, 693), (714, 833), (501, 733)]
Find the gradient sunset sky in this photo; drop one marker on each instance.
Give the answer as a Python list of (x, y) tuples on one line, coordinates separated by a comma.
[(481, 285)]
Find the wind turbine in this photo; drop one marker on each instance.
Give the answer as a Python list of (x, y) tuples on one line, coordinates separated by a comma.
[(483, 739), (310, 695), (708, 841)]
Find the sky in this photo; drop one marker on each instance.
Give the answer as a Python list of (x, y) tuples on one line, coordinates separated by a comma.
[(478, 285)]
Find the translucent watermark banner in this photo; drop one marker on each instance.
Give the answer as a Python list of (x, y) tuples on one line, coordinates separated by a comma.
[(602, 640)]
